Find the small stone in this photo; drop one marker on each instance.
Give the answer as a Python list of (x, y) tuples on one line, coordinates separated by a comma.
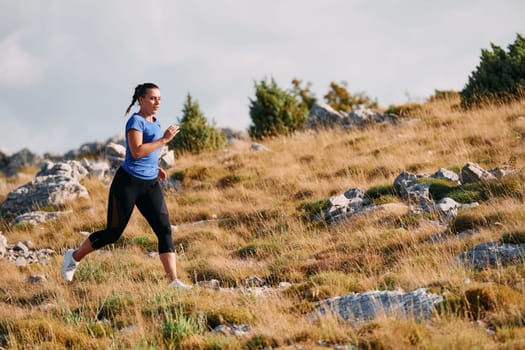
[(37, 279)]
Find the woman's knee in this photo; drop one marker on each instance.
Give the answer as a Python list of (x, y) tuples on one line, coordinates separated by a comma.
[(166, 242), (108, 236)]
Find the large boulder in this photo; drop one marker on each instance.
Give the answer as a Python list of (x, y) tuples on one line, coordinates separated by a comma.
[(493, 255), (359, 307), (362, 116), (323, 115), (72, 168), (45, 191), (472, 172), (115, 153)]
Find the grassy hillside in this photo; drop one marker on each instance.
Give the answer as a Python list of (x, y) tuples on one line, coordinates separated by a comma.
[(119, 297)]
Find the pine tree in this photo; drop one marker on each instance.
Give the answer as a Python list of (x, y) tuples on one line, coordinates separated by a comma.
[(499, 77), (195, 135)]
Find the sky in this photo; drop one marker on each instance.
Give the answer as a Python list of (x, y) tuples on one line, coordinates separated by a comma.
[(68, 68)]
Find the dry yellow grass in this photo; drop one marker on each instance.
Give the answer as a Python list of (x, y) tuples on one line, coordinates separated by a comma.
[(253, 202)]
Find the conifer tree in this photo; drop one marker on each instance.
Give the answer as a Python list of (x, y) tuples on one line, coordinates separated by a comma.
[(275, 111), (500, 76), (195, 135)]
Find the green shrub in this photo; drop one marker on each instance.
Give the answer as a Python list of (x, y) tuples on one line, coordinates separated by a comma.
[(482, 191), (274, 111), (440, 188), (229, 180), (406, 110), (340, 99), (461, 195), (472, 219), (500, 76), (229, 315), (381, 194), (304, 95), (195, 135), (514, 237), (258, 250), (313, 209), (259, 342), (407, 221)]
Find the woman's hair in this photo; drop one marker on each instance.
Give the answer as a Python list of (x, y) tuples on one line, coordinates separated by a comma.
[(140, 91)]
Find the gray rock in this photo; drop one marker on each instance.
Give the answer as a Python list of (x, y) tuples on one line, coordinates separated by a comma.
[(232, 329), (232, 134), (34, 279), (254, 281), (39, 217), (343, 206), (323, 115), (20, 261), (97, 169), (3, 245), (403, 183), (257, 147), (502, 171), (211, 284), (493, 255), (20, 247), (72, 168), (22, 253), (53, 190), (472, 172), (115, 154), (357, 307), (446, 174)]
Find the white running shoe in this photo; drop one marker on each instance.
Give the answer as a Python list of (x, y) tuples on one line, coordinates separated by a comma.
[(69, 265), (178, 284)]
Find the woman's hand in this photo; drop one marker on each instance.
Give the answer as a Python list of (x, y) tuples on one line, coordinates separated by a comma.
[(170, 133), (163, 175), (139, 149)]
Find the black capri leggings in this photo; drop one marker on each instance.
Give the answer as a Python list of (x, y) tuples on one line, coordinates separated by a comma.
[(125, 192)]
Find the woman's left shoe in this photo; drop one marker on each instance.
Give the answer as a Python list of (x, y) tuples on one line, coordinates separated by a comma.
[(178, 284)]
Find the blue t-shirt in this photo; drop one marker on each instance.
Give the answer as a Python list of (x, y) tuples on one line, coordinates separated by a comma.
[(145, 168)]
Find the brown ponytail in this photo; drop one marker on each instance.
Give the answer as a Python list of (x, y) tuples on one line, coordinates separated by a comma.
[(140, 91)]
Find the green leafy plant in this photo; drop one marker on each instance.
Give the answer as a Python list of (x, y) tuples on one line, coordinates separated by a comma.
[(304, 94), (340, 99), (180, 325)]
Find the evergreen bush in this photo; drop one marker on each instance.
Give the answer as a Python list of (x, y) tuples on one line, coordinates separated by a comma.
[(196, 135), (500, 76), (275, 111)]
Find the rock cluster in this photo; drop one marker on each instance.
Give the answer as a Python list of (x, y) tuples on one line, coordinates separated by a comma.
[(22, 253), (323, 115), (413, 190)]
